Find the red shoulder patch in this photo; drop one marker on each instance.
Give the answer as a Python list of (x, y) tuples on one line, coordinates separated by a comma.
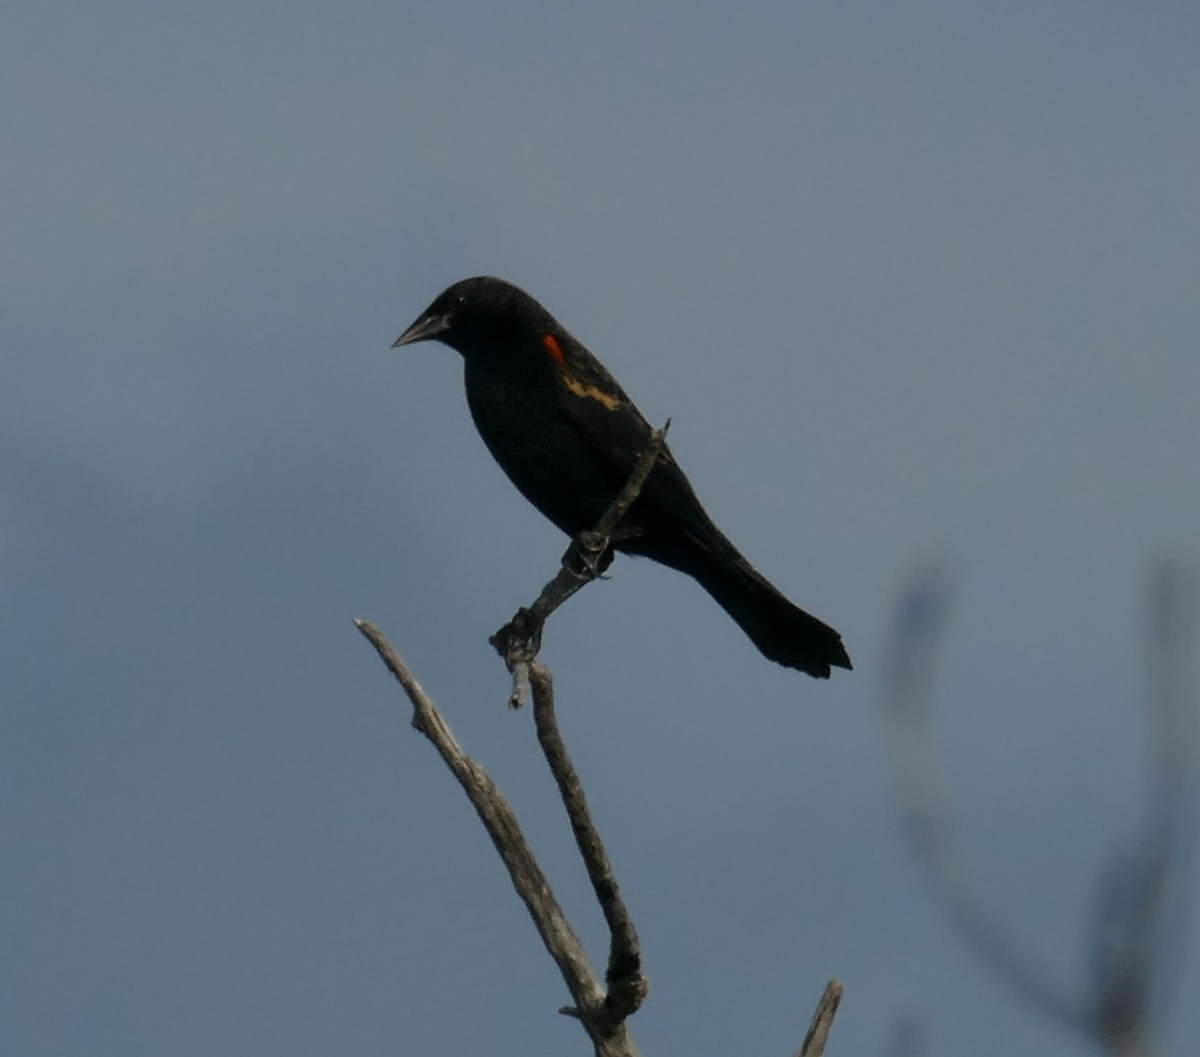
[(554, 349), (570, 382)]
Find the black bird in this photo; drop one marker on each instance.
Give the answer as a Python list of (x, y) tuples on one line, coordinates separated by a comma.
[(568, 437)]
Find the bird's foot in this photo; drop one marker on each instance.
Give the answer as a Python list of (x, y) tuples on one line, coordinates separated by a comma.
[(518, 643), (588, 555)]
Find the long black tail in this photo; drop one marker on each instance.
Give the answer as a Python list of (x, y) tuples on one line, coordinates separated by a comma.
[(784, 633)]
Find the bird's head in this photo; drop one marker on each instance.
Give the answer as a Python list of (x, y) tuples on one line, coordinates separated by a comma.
[(470, 315)]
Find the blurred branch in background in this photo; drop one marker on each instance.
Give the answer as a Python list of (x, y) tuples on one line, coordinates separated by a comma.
[(909, 1038), (1142, 895)]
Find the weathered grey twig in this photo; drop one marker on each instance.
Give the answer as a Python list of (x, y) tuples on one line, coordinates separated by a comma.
[(627, 987), (1136, 916), (822, 1021), (584, 560), (609, 1034)]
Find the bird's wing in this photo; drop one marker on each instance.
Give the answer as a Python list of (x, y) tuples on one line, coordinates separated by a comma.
[(605, 419)]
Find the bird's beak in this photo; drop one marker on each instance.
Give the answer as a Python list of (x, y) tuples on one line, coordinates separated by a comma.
[(429, 326)]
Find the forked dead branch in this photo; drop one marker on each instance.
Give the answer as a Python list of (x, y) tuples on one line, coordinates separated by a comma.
[(603, 1008)]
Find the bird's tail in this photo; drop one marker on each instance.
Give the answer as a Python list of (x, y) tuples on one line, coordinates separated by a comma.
[(783, 632)]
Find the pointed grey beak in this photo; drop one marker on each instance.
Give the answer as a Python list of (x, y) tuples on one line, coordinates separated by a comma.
[(423, 329)]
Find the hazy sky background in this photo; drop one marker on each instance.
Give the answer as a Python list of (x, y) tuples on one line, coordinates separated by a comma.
[(910, 279)]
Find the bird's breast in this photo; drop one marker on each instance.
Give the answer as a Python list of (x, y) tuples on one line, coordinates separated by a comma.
[(523, 421)]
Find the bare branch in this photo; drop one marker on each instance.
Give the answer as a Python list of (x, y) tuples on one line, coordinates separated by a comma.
[(603, 1011), (822, 1020), (627, 987), (585, 559), (502, 826), (609, 1034)]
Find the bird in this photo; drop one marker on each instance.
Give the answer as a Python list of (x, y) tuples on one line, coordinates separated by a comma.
[(568, 437)]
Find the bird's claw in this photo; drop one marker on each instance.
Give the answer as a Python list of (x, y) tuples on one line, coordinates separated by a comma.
[(518, 643), (588, 555), (519, 640)]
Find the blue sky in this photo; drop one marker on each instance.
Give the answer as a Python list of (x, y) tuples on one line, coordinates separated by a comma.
[(909, 280)]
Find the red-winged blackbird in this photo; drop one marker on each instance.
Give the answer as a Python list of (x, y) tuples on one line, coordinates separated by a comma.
[(568, 437)]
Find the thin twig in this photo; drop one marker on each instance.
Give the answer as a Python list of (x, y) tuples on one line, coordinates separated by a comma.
[(584, 560), (822, 1020), (619, 507), (627, 987)]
